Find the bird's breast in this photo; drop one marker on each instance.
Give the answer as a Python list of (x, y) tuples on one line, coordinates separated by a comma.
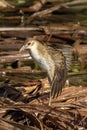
[(42, 60)]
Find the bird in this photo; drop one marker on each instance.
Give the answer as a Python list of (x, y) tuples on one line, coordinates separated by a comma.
[(52, 61)]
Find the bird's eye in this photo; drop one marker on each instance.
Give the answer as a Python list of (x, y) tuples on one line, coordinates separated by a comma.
[(29, 43)]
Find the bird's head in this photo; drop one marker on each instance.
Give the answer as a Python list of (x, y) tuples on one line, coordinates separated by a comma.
[(29, 44)]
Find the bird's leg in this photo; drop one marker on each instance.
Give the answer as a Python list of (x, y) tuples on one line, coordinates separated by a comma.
[(49, 103)]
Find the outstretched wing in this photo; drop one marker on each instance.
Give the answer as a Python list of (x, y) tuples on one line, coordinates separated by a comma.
[(57, 81), (67, 52)]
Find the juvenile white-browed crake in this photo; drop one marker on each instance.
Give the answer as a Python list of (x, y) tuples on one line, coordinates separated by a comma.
[(52, 61)]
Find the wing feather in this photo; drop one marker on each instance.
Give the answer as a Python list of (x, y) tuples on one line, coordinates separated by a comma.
[(66, 50), (57, 81)]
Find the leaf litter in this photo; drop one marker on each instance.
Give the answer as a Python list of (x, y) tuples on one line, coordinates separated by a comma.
[(25, 105)]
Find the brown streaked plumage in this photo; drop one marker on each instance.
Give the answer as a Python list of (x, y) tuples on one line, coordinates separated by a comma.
[(52, 61)]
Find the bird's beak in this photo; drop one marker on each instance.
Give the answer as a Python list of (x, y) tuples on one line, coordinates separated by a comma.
[(22, 48)]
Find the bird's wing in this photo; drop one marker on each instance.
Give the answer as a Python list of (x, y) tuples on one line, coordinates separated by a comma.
[(57, 81), (67, 52)]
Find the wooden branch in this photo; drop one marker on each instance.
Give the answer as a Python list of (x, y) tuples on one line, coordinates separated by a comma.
[(5, 4), (20, 29), (48, 29), (57, 7), (76, 2), (11, 58), (37, 6)]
